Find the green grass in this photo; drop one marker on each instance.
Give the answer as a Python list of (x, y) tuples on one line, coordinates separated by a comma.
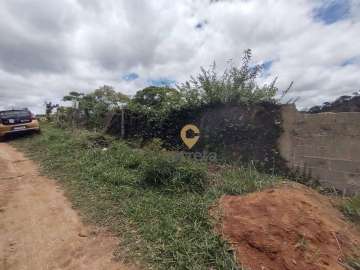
[(157, 205), (351, 208), (352, 263)]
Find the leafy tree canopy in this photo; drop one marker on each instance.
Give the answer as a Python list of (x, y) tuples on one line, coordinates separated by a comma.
[(94, 106), (108, 95), (341, 104), (73, 96), (156, 101)]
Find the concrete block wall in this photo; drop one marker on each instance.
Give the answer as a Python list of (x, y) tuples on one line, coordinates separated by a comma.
[(325, 145)]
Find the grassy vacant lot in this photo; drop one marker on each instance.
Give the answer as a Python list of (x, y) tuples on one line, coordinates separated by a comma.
[(159, 206)]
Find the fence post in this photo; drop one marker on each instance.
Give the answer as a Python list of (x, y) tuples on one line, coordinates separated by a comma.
[(122, 123)]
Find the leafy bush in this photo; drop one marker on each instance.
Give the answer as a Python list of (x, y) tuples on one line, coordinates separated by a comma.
[(156, 102), (165, 172), (94, 139), (236, 85)]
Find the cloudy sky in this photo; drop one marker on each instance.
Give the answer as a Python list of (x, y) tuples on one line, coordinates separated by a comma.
[(50, 47)]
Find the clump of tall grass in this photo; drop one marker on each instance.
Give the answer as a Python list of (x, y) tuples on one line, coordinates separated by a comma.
[(163, 171), (351, 208)]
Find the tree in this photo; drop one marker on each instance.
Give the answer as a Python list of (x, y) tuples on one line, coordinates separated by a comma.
[(97, 104), (49, 107), (92, 108), (344, 103), (156, 101), (106, 94), (73, 96)]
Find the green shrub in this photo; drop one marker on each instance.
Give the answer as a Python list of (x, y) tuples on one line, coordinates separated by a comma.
[(94, 139), (236, 85), (351, 208), (163, 171), (155, 145)]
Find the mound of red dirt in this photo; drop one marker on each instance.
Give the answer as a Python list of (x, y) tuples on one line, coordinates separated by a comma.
[(290, 227)]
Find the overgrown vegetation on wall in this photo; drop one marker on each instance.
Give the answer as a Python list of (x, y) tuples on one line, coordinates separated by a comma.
[(239, 119), (236, 85)]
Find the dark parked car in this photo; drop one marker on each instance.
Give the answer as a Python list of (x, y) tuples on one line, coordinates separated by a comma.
[(14, 121)]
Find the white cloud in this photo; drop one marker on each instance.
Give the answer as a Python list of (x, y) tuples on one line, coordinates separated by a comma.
[(48, 48)]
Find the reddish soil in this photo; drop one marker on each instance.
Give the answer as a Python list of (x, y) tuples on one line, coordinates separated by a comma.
[(289, 227)]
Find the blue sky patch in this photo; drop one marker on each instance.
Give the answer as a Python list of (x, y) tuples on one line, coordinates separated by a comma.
[(130, 76), (332, 11), (267, 65), (201, 24), (351, 61), (161, 82)]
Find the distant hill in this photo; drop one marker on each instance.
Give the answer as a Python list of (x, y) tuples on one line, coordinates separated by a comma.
[(342, 104)]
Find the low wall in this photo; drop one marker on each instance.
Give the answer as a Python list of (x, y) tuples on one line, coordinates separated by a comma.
[(236, 133), (324, 145), (241, 134)]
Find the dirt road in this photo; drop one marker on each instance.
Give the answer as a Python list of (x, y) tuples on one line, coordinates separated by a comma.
[(38, 228)]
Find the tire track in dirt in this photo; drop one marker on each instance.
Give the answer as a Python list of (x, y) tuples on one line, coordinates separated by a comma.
[(38, 227)]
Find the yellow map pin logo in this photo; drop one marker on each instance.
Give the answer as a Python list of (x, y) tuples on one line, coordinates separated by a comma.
[(190, 142)]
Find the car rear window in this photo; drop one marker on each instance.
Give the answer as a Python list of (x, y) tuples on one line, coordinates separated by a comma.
[(17, 113)]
